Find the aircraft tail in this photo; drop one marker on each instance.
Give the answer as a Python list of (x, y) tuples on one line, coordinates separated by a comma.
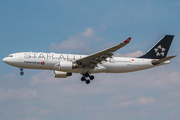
[(160, 49), (156, 62)]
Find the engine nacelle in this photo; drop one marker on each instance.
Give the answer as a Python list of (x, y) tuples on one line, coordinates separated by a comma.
[(67, 65), (60, 74)]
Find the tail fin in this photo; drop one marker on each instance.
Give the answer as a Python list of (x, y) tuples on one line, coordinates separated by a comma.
[(160, 49)]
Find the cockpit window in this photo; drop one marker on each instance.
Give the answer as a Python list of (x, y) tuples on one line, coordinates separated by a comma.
[(10, 56)]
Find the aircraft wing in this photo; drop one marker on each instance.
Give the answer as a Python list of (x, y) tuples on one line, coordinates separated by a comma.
[(93, 59)]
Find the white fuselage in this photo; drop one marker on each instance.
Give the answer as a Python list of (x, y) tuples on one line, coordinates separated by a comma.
[(49, 61)]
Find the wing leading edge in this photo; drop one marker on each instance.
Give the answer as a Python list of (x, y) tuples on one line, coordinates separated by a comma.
[(93, 59)]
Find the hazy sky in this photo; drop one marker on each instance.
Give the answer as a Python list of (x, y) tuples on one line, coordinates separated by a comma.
[(85, 27)]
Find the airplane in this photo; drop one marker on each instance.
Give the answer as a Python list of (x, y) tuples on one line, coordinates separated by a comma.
[(64, 65)]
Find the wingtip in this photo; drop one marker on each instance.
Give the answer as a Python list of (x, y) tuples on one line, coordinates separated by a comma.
[(127, 40)]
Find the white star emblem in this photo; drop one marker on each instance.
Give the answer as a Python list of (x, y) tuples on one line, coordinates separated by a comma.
[(159, 51)]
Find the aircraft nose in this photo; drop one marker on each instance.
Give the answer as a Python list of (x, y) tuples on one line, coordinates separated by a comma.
[(9, 61), (5, 60)]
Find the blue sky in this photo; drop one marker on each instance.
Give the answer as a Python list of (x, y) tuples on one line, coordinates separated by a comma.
[(85, 27)]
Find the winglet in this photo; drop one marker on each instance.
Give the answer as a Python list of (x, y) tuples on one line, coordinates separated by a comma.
[(127, 40)]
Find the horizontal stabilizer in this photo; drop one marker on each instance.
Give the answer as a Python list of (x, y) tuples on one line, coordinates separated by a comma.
[(155, 62)]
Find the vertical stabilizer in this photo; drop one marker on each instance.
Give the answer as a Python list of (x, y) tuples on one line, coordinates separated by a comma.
[(160, 49)]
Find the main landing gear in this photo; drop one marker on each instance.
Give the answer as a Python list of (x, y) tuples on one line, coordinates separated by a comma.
[(84, 76), (21, 73)]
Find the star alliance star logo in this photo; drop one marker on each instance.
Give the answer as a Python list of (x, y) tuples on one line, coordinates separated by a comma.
[(159, 51)]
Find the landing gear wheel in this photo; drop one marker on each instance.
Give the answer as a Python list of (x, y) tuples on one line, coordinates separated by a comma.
[(88, 81), (91, 77), (21, 73), (83, 79), (86, 74)]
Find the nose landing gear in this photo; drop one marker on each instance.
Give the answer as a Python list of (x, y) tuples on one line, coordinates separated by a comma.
[(21, 73), (87, 74)]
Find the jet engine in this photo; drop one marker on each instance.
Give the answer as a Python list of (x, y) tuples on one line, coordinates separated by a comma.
[(60, 74), (67, 65)]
